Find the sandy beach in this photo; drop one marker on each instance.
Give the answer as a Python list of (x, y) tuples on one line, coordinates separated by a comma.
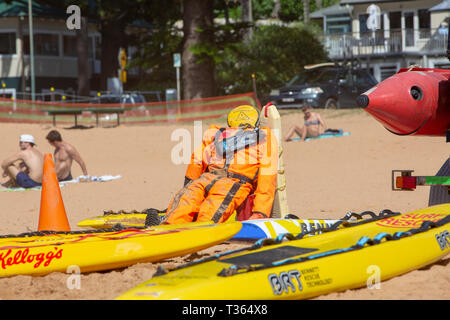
[(326, 178)]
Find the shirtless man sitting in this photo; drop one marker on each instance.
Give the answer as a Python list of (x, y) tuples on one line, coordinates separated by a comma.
[(314, 125), (25, 167), (64, 154)]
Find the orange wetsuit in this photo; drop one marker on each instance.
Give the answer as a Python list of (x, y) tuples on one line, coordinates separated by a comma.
[(218, 179)]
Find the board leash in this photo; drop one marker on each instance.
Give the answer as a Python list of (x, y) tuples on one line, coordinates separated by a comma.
[(289, 236), (360, 244), (115, 228), (152, 218)]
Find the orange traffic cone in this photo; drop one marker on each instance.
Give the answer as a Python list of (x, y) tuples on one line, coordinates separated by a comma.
[(52, 215)]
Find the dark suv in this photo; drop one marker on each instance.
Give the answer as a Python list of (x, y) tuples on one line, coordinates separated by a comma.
[(325, 86)]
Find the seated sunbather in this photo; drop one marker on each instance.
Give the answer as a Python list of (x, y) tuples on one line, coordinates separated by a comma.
[(25, 167), (314, 125)]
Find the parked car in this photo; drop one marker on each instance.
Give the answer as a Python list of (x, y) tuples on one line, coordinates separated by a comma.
[(324, 86), (128, 98)]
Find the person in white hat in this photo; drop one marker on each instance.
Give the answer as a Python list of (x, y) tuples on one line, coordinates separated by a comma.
[(25, 167)]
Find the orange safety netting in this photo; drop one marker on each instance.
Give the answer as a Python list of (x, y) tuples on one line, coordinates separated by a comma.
[(27, 111)]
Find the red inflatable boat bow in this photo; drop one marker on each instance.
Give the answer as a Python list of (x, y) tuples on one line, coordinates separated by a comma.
[(415, 101)]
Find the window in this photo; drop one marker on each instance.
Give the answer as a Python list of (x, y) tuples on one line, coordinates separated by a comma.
[(70, 46), (364, 79), (345, 78), (312, 76), (395, 20), (138, 98), (363, 23), (424, 23), (327, 76), (442, 65), (44, 44), (409, 29), (387, 71), (7, 43)]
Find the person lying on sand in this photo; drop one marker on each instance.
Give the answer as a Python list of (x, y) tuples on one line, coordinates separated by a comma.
[(64, 154), (25, 167), (230, 164), (314, 125)]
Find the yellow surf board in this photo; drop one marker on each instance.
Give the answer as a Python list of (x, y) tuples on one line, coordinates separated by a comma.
[(108, 220), (355, 256), (94, 251), (251, 229)]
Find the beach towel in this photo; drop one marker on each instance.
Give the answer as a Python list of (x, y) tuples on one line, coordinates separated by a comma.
[(341, 133), (104, 178), (84, 179)]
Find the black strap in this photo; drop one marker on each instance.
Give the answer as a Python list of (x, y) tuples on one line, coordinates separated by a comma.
[(242, 179), (360, 216), (426, 225), (226, 202), (186, 181), (152, 218), (228, 174), (210, 185)]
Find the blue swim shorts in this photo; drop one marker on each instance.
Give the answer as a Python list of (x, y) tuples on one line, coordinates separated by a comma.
[(25, 181), (68, 178)]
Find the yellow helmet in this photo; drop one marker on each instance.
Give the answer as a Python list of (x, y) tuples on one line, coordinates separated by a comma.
[(243, 116)]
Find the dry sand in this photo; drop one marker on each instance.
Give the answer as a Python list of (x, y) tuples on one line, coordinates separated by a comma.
[(325, 179)]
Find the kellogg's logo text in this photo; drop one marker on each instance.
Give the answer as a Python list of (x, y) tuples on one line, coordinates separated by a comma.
[(24, 257)]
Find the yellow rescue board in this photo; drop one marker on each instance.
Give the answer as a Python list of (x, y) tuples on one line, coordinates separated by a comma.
[(108, 220), (94, 251), (347, 258)]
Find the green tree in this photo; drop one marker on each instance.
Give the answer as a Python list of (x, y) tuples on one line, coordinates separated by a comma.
[(288, 10), (204, 43), (274, 56), (156, 45)]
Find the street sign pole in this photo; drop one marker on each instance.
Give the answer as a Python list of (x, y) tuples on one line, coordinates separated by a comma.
[(178, 85), (122, 73), (177, 65)]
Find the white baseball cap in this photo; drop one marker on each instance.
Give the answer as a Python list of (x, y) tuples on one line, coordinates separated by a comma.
[(27, 138)]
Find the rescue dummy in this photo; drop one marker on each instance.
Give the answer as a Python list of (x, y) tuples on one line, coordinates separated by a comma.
[(230, 164)]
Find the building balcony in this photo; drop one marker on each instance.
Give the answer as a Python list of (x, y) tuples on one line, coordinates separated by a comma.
[(383, 43)]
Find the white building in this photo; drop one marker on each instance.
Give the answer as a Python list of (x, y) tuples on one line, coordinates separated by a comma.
[(55, 55), (55, 50)]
